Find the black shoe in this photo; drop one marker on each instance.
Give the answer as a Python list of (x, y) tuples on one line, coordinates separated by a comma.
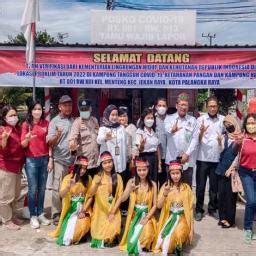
[(198, 216), (112, 244), (178, 251), (220, 223), (214, 214)]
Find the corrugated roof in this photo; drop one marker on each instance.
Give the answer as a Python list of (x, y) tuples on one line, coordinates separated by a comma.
[(135, 46)]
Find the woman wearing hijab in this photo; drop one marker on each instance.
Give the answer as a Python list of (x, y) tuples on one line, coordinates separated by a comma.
[(225, 170), (112, 137)]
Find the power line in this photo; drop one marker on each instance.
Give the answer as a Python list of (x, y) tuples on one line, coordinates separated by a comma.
[(218, 11)]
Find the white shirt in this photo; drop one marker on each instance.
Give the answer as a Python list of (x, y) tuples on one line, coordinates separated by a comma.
[(152, 141), (180, 141), (131, 140), (119, 138), (209, 149), (161, 134)]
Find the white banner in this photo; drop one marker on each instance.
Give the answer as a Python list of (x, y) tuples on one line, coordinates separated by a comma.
[(143, 27)]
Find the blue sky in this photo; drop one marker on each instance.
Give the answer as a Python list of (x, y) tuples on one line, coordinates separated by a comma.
[(232, 21)]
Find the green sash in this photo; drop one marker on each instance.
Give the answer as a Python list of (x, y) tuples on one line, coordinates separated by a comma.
[(170, 224), (136, 229), (96, 243), (72, 209)]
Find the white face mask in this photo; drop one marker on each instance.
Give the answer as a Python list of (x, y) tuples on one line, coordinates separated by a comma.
[(37, 113), (149, 122), (85, 114), (161, 110), (12, 120)]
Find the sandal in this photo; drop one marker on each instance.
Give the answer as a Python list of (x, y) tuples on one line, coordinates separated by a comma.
[(11, 226), (221, 222), (17, 221), (226, 225)]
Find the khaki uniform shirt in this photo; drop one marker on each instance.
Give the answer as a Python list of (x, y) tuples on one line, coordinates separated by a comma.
[(84, 132)]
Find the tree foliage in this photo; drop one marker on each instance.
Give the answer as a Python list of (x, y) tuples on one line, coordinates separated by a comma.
[(201, 98), (42, 38), (226, 98), (14, 96)]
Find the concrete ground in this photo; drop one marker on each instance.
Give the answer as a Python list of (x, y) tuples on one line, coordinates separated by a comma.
[(209, 240)]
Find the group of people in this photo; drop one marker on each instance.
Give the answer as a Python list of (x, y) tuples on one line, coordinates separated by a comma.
[(87, 165)]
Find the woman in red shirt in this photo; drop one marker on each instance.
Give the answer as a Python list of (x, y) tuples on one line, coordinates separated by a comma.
[(11, 163), (33, 139), (247, 172)]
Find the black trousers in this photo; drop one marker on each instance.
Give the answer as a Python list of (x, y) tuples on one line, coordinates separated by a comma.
[(203, 171), (125, 177), (92, 171), (162, 176), (187, 176), (153, 164), (227, 200)]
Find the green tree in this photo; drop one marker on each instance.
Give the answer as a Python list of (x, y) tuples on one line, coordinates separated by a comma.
[(42, 38), (201, 98), (17, 96), (14, 96), (226, 98)]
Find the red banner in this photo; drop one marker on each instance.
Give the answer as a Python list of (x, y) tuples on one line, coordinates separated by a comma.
[(130, 68)]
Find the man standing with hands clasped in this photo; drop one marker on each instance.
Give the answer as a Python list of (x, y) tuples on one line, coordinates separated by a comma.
[(180, 129), (57, 138), (209, 135), (83, 136)]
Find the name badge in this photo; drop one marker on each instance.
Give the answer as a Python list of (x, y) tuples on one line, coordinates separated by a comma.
[(117, 150)]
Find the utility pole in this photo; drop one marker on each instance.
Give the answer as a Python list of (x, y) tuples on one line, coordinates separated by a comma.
[(210, 37), (109, 4), (62, 36)]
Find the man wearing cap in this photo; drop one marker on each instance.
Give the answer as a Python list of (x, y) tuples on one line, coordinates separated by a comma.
[(57, 138), (83, 136), (180, 129)]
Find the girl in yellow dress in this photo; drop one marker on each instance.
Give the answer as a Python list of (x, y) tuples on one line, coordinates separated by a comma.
[(107, 187), (76, 212), (175, 225), (140, 227)]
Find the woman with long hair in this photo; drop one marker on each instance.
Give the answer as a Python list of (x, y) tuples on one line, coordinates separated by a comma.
[(11, 163), (147, 142), (107, 187), (140, 227), (247, 172), (33, 140), (76, 212), (175, 226)]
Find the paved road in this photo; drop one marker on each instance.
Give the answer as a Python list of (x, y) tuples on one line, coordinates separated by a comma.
[(209, 239)]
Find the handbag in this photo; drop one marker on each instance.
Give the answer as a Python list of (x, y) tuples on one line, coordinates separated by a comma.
[(236, 183)]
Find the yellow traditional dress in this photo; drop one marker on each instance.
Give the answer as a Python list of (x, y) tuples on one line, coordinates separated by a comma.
[(137, 236), (70, 228), (102, 230), (175, 220)]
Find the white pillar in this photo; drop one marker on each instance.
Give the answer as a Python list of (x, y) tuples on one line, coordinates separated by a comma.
[(47, 103)]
